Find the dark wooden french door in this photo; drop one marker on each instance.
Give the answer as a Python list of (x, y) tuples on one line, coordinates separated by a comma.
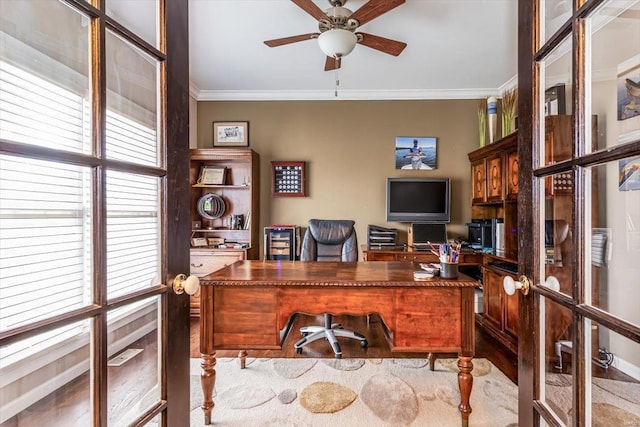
[(94, 215), (579, 210)]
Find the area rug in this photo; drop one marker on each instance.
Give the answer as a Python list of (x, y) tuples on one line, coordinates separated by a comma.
[(614, 403), (352, 392)]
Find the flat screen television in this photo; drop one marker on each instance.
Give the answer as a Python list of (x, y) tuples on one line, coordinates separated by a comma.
[(418, 199)]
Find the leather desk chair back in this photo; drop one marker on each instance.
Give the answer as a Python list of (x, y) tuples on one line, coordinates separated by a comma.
[(330, 240)]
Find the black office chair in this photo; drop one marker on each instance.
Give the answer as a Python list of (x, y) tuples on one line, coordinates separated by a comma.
[(329, 240)]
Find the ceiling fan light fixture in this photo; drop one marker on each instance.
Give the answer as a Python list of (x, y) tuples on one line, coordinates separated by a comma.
[(337, 42)]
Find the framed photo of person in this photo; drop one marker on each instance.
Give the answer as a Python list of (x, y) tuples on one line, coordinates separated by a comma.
[(230, 134)]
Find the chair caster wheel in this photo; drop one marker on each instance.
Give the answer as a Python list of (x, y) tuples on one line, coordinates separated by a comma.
[(364, 343), (299, 350)]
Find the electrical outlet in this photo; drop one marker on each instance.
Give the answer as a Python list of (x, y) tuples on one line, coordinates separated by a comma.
[(602, 354)]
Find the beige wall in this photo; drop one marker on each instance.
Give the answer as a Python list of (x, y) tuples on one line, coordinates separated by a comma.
[(349, 150), (620, 292)]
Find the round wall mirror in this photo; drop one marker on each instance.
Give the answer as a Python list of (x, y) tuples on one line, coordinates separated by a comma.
[(211, 206)]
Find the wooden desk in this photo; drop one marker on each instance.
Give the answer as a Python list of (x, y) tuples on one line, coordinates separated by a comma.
[(247, 305)]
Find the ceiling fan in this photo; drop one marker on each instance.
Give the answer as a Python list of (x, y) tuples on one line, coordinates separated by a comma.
[(338, 25)]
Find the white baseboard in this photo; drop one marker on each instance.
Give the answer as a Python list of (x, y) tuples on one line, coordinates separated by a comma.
[(627, 367)]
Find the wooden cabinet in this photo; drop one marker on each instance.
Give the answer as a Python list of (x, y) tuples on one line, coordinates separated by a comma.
[(500, 160), (500, 311), (225, 224), (494, 180), (492, 169)]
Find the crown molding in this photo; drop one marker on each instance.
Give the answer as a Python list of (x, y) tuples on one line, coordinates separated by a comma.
[(511, 83), (285, 95), (194, 91)]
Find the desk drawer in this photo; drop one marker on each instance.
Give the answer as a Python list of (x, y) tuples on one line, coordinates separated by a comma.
[(203, 263), (417, 257)]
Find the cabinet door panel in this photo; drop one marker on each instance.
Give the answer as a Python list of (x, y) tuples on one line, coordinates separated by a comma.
[(494, 179), (511, 314), (492, 286), (479, 181), (512, 175)]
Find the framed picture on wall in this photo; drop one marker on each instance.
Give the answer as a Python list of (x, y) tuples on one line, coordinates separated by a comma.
[(415, 152), (288, 179), (230, 134)]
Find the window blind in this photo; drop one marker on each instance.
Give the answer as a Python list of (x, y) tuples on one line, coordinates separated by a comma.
[(46, 247)]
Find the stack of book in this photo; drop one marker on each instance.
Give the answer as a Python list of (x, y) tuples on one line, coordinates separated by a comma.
[(381, 237)]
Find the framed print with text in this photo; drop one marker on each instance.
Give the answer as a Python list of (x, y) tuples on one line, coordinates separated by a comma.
[(230, 134)]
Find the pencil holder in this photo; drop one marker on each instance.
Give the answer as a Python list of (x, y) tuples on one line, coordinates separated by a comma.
[(448, 270)]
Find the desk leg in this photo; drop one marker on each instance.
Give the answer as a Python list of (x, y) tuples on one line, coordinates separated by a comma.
[(208, 375), (465, 383), (208, 382), (243, 358), (432, 361)]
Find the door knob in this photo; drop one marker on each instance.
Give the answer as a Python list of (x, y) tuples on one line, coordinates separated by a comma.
[(182, 284), (511, 285), (552, 283)]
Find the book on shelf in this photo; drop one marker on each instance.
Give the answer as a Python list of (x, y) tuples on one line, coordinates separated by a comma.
[(247, 221)]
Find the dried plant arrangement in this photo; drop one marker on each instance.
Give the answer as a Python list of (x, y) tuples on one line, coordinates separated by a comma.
[(482, 121), (509, 107)]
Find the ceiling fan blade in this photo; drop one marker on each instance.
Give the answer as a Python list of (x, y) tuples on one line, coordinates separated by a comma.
[(392, 47), (291, 39), (373, 9), (331, 63), (311, 8)]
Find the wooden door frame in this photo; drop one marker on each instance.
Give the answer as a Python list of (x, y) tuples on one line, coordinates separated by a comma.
[(527, 319), (177, 221)]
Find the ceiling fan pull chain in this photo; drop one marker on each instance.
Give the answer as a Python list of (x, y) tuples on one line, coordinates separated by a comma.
[(337, 82)]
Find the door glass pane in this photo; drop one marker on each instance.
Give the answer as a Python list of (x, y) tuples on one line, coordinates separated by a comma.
[(45, 239), (615, 238), (133, 233), (555, 14), (139, 16), (44, 88), (615, 75), (133, 367), (558, 235), (556, 107), (132, 103), (556, 358), (45, 379), (615, 379)]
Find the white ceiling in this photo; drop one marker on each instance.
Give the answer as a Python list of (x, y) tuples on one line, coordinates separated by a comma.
[(456, 49)]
